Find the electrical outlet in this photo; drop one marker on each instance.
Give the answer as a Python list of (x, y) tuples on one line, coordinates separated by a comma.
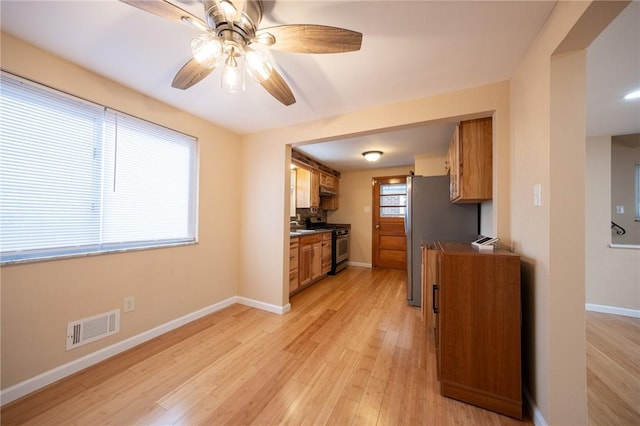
[(129, 304)]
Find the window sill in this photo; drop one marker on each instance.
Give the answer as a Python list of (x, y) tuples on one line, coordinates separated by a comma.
[(625, 246), (94, 253)]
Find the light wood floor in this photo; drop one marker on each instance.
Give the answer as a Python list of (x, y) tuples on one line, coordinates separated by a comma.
[(613, 369), (350, 352)]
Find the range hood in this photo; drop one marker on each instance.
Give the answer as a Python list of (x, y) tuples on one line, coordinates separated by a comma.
[(325, 190)]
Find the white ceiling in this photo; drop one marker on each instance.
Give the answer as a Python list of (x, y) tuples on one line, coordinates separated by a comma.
[(410, 49)]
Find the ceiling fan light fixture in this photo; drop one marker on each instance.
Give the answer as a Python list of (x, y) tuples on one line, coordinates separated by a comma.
[(232, 75), (259, 68), (206, 50), (229, 10), (265, 39), (372, 156)]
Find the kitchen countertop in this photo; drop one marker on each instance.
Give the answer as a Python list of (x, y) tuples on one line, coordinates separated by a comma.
[(303, 232)]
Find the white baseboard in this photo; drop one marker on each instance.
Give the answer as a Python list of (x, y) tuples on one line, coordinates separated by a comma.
[(634, 313), (263, 306), (360, 264), (48, 377), (536, 414)]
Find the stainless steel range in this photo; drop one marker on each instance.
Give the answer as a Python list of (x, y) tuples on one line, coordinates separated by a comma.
[(339, 241)]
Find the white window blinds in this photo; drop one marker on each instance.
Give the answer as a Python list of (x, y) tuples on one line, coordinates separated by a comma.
[(77, 178), (149, 183)]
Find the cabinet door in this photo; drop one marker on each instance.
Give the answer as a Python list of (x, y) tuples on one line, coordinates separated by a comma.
[(454, 165), (471, 153), (315, 189), (435, 310), (326, 256), (307, 188), (316, 260), (429, 279), (303, 188), (329, 202), (304, 266), (478, 302), (329, 181)]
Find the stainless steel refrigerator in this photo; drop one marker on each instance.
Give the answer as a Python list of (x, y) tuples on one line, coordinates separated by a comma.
[(431, 216)]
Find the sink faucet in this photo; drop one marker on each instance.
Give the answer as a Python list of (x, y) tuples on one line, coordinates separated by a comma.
[(293, 222)]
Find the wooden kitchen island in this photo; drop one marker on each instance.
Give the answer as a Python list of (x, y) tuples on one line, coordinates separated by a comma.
[(471, 299)]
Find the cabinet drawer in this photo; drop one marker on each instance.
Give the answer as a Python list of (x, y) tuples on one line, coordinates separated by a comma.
[(293, 260), (326, 236), (311, 239), (293, 281)]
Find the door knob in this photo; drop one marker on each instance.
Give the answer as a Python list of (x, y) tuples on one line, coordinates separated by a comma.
[(377, 226)]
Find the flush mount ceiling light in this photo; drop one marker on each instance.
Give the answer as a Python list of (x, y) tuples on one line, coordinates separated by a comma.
[(231, 38), (372, 155)]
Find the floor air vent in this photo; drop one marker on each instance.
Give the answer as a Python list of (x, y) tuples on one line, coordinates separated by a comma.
[(90, 329)]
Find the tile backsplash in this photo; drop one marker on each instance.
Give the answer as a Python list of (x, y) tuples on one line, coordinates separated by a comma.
[(305, 213)]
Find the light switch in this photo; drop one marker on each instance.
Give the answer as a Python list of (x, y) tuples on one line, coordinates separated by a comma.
[(620, 209), (537, 195), (367, 209)]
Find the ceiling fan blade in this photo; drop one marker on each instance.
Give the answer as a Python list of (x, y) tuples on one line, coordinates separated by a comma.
[(167, 10), (307, 38), (278, 88), (190, 73)]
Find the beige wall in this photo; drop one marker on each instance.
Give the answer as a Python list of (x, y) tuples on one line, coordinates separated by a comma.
[(547, 133), (612, 275), (267, 151), (356, 199), (426, 165), (38, 299)]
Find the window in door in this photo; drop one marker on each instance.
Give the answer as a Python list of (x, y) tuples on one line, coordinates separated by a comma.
[(393, 199), (389, 205)]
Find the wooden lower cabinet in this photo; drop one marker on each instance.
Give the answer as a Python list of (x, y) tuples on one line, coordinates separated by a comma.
[(304, 268), (311, 259), (477, 319), (326, 253), (294, 282)]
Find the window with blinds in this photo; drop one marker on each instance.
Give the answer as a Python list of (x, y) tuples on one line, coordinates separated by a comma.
[(78, 178)]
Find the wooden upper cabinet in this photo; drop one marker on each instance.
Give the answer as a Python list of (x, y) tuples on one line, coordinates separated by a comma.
[(329, 182), (307, 188), (315, 188), (470, 161), (329, 202), (329, 189)]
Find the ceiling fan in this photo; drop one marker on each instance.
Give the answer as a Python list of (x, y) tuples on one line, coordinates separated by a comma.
[(230, 33)]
